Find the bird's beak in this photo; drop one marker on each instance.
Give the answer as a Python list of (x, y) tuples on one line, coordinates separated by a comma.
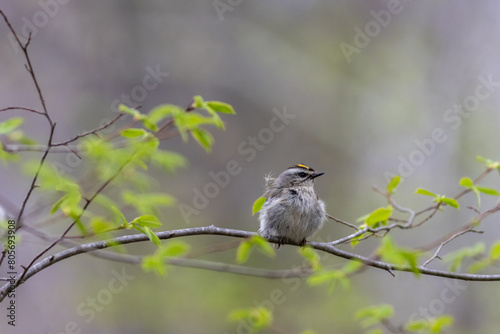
[(315, 175)]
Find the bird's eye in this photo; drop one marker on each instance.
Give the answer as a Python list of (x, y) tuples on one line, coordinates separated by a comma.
[(302, 174)]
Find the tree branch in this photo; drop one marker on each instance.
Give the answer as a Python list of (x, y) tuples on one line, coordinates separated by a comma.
[(213, 230)]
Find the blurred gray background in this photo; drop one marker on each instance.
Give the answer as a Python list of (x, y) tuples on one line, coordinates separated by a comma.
[(372, 89)]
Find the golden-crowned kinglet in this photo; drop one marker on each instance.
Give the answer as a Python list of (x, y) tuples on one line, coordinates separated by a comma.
[(292, 211)]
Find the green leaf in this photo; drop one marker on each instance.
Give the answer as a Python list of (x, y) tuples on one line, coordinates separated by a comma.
[(57, 204), (173, 248), (489, 163), (7, 156), (154, 263), (147, 203), (69, 206), (466, 182), (495, 251), (131, 111), (478, 266), (198, 102), (330, 277), (119, 217), (311, 256), (456, 258), (425, 192), (393, 184), (488, 191), (372, 315), (379, 215), (133, 133), (263, 246), (245, 248), (147, 221), (437, 324), (157, 261), (399, 256), (149, 233), (100, 225), (258, 204), (257, 318), (204, 138), (243, 251), (450, 201), (162, 111), (10, 124), (168, 161), (430, 325), (221, 107)]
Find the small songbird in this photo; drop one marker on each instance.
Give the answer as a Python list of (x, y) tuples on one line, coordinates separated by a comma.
[(292, 211)]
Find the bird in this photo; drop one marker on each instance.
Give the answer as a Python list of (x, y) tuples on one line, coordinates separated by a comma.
[(292, 211)]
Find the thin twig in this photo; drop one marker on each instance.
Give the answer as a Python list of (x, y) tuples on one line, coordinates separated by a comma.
[(343, 222), (23, 108), (91, 132)]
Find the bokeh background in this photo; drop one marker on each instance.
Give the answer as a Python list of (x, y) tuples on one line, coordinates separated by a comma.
[(365, 91)]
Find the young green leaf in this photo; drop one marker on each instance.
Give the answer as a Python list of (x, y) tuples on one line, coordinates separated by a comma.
[(133, 133), (457, 257), (7, 156), (131, 111), (258, 204), (100, 225), (168, 161), (391, 187), (425, 192), (330, 277), (10, 124), (257, 318), (379, 215), (243, 251), (488, 191), (311, 256), (450, 201), (495, 251), (489, 163), (162, 111), (147, 221), (157, 261), (263, 246), (173, 248), (221, 107), (466, 182), (204, 138), (119, 217), (154, 263), (372, 315), (399, 256), (150, 234)]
